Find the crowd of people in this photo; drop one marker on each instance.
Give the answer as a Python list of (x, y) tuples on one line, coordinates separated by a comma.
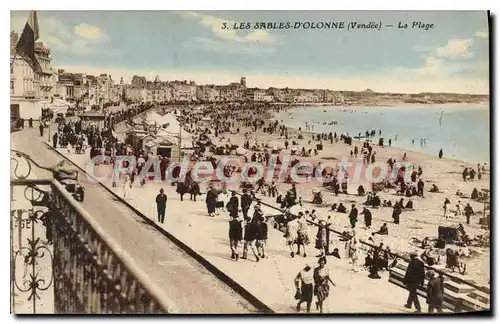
[(248, 226)]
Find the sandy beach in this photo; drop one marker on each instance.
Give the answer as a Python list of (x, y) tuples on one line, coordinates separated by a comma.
[(423, 221), (416, 224)]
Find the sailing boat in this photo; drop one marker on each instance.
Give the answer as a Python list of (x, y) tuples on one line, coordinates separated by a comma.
[(441, 118)]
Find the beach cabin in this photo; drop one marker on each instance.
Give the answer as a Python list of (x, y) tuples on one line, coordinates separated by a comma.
[(133, 137), (161, 146), (93, 118)]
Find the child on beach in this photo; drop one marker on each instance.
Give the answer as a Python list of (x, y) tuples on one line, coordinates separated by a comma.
[(445, 208)]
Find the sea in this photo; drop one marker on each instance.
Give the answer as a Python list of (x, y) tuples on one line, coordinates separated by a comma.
[(461, 130)]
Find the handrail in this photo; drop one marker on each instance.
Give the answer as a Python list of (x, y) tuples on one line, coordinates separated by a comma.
[(160, 297), (210, 267), (398, 256)]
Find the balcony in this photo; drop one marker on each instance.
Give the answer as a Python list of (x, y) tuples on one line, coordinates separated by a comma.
[(62, 261), (46, 85), (29, 94), (47, 71)]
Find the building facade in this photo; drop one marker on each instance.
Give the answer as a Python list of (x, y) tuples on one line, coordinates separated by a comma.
[(30, 90)]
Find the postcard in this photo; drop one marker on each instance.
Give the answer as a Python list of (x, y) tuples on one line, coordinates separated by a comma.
[(250, 162)]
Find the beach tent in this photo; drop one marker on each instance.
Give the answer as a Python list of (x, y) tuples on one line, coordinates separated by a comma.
[(170, 129)]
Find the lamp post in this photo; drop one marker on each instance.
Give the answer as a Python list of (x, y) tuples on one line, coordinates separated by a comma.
[(179, 142), (49, 123)]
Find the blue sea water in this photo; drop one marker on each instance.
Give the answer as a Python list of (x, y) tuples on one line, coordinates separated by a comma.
[(464, 132)]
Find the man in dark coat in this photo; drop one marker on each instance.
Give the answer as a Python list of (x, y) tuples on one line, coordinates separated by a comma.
[(468, 212), (233, 205), (211, 200), (420, 187), (252, 233), (54, 140), (414, 278), (246, 202), (396, 212), (40, 128), (235, 236), (353, 216), (435, 293), (368, 217), (161, 205)]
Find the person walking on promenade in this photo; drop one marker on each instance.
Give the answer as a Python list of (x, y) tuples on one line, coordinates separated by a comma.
[(302, 234), (40, 128), (252, 232), (30, 122), (232, 205), (127, 185), (54, 139), (235, 236), (304, 287), (246, 202), (435, 292), (440, 155), (353, 216), (141, 162), (211, 201), (261, 237), (321, 283), (161, 205), (321, 238), (414, 278)]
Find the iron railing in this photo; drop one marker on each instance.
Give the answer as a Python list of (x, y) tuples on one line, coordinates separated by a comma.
[(88, 272)]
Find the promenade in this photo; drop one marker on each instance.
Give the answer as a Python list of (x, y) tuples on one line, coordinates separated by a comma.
[(271, 280), (168, 266)]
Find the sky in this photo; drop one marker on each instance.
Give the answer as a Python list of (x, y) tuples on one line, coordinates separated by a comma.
[(176, 45)]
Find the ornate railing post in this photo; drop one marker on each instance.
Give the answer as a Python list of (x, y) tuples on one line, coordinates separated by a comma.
[(89, 272), (31, 251)]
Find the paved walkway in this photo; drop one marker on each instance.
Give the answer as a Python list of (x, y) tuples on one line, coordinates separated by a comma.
[(271, 279)]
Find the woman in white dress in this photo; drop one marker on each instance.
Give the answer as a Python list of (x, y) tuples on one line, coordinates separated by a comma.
[(127, 185), (352, 250), (302, 234), (291, 234)]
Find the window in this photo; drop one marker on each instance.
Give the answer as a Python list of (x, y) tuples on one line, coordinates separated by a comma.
[(12, 86)]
